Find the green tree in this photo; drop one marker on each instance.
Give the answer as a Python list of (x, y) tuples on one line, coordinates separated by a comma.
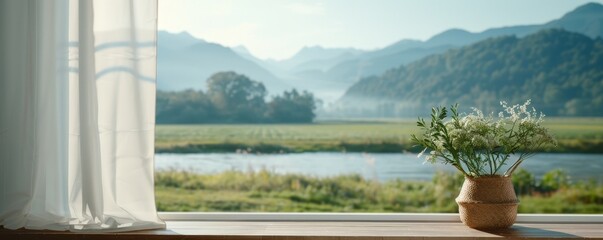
[(187, 106), (292, 107), (236, 97)]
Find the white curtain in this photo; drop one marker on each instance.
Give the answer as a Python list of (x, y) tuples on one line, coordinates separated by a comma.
[(77, 114)]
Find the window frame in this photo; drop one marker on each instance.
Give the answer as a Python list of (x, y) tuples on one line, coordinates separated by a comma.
[(366, 217)]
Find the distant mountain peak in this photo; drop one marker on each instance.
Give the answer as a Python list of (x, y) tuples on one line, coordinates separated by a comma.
[(404, 43), (454, 36), (315, 47), (407, 41), (453, 32), (187, 35), (177, 40), (184, 34), (586, 19), (318, 49), (587, 9), (311, 50), (316, 52), (185, 62), (241, 49)]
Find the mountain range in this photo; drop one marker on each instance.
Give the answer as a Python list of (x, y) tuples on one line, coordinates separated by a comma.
[(560, 71), (185, 62), (586, 19)]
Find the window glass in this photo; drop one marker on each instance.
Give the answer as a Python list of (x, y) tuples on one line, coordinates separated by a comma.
[(309, 106)]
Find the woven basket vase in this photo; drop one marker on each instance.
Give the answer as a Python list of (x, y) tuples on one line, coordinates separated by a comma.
[(488, 202)]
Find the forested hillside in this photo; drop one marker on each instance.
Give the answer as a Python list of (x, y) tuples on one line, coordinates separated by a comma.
[(562, 72)]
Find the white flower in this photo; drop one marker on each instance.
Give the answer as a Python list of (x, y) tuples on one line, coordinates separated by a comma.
[(524, 108), (439, 145), (421, 153), (432, 157)]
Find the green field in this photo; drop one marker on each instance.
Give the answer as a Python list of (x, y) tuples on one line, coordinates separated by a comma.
[(269, 192), (574, 135)]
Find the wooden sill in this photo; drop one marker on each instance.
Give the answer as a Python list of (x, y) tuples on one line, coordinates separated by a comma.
[(328, 230)]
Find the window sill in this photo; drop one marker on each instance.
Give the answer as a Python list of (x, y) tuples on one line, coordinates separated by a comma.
[(324, 229), (367, 217), (329, 230)]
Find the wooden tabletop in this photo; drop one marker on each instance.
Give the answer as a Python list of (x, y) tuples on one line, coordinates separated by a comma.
[(328, 230)]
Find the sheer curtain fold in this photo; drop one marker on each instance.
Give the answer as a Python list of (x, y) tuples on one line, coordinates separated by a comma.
[(77, 110)]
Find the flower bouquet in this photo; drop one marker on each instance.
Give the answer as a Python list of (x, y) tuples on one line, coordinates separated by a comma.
[(487, 149)]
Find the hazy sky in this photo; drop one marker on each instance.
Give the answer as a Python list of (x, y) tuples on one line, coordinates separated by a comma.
[(279, 28)]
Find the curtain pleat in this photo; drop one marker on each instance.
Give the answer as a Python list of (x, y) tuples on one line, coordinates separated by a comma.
[(77, 114)]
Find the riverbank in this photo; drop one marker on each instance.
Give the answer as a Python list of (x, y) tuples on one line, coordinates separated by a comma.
[(575, 135), (264, 191), (565, 146)]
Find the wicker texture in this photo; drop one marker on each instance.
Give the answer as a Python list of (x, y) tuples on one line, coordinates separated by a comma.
[(487, 202)]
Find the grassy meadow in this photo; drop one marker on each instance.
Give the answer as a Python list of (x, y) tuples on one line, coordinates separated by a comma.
[(264, 191), (574, 135)]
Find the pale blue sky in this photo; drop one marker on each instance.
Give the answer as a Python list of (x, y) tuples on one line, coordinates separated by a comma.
[(279, 28)]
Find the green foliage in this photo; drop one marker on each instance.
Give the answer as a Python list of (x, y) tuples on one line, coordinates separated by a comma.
[(551, 182), (446, 188), (265, 191), (292, 107), (556, 194), (524, 182), (238, 98), (479, 145), (560, 71), (554, 180), (234, 98), (184, 107)]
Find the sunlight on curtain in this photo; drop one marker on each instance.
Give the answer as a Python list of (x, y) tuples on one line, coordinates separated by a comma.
[(77, 114)]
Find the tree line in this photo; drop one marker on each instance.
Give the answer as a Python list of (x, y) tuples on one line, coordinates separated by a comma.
[(234, 98)]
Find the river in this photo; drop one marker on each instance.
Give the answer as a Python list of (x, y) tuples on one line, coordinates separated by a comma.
[(380, 166)]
